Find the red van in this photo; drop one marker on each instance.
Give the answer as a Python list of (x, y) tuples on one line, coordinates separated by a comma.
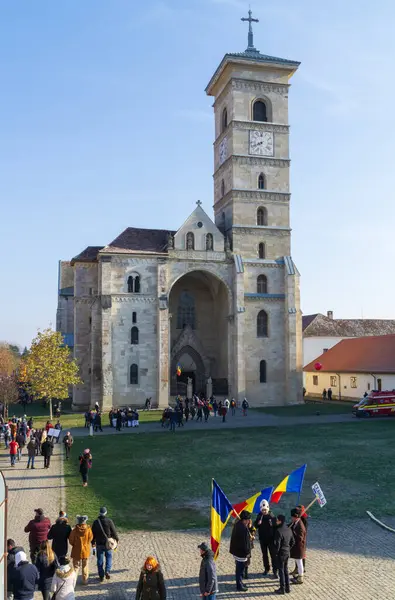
[(375, 404)]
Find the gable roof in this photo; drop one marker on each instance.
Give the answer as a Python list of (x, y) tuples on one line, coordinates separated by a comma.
[(320, 325), (88, 255), (374, 354), (135, 239)]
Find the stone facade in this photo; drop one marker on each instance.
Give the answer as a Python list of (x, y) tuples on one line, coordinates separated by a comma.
[(152, 300)]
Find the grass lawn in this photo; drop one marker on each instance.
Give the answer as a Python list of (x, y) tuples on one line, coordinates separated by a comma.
[(310, 408), (163, 480)]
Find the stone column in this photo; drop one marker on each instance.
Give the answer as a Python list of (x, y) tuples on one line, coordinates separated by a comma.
[(293, 335), (239, 390), (209, 388), (96, 374), (189, 388), (163, 337), (106, 334)]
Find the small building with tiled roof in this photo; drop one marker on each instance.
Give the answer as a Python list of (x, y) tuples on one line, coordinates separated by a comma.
[(322, 332), (352, 367), (213, 306)]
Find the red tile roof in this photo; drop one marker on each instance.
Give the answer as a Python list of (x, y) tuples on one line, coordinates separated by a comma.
[(373, 354)]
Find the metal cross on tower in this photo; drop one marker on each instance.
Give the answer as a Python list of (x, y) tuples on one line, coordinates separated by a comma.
[(250, 33)]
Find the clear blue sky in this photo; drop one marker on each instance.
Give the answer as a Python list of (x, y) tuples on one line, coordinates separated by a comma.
[(104, 124)]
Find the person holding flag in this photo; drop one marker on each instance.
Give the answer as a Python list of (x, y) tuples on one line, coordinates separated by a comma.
[(221, 510), (240, 547)]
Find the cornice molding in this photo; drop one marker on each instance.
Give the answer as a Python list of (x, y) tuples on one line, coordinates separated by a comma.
[(187, 255), (256, 86), (252, 230), (261, 264), (257, 196), (263, 297), (253, 161), (259, 125), (134, 299), (262, 227)]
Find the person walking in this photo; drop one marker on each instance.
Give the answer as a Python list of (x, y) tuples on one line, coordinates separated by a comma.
[(97, 422), (24, 578), (283, 542), (206, 411), (208, 582), (299, 548), (324, 392), (173, 420), (199, 414), (20, 439), (119, 421), (151, 585), (12, 550), (80, 539), (68, 442), (64, 580), (31, 450), (329, 394), (37, 529), (85, 464), (240, 547), (224, 410), (245, 406), (215, 407), (265, 524), (105, 539), (59, 534), (13, 451), (46, 563), (233, 407), (46, 451)]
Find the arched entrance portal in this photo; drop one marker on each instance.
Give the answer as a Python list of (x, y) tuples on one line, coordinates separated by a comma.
[(199, 309)]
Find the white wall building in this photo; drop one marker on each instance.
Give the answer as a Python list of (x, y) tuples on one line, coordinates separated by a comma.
[(352, 367)]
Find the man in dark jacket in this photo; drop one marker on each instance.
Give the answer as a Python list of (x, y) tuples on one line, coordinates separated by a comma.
[(46, 451), (240, 547), (24, 578), (37, 529), (208, 582), (68, 442), (265, 524), (59, 534), (283, 542), (12, 550), (102, 529)]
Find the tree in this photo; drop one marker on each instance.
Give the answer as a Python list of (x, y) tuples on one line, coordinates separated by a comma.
[(8, 360), (9, 391), (50, 369)]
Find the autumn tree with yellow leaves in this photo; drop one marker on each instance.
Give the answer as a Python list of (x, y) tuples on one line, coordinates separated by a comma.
[(50, 368)]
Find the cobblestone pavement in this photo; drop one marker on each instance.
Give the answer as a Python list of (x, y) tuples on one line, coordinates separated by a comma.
[(253, 419), (346, 561)]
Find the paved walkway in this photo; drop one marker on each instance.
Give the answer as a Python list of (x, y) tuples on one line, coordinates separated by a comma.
[(350, 560), (253, 419)]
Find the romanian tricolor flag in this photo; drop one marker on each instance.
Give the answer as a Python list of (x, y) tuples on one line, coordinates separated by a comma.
[(178, 370), (221, 509), (292, 483), (253, 504)]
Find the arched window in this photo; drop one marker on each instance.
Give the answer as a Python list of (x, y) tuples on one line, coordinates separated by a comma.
[(134, 335), (261, 216), (224, 122), (134, 375), (261, 250), (134, 284), (261, 324), (261, 284), (209, 241), (222, 188), (259, 112), (134, 317), (190, 241), (262, 371), (186, 311), (261, 182)]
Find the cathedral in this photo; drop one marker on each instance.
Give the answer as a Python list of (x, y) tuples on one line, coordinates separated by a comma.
[(212, 307)]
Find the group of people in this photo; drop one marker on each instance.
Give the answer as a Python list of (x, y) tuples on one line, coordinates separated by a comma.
[(127, 417), (279, 541), (51, 570), (200, 408)]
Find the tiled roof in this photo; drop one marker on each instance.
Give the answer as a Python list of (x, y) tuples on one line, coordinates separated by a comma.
[(320, 325), (134, 239), (373, 355), (88, 255)]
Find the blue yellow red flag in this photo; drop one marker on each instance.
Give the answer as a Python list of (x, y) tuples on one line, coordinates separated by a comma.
[(292, 483), (221, 510), (253, 504)]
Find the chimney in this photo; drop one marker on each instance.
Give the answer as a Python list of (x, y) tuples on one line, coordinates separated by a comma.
[(329, 314)]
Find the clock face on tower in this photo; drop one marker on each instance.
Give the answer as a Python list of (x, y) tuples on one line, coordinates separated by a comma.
[(261, 143), (223, 150)]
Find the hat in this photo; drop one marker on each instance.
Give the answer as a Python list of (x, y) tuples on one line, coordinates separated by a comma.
[(20, 557), (264, 505), (245, 515), (103, 511), (203, 546), (39, 511), (81, 519), (295, 512)]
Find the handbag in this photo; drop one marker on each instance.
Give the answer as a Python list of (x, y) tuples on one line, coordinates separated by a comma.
[(111, 544), (53, 597)]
